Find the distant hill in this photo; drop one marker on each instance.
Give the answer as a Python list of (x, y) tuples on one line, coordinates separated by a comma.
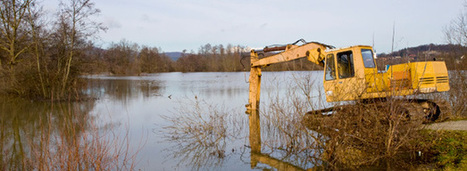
[(173, 55), (411, 51), (415, 51)]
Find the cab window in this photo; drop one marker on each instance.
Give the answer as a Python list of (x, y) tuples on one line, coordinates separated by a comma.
[(368, 59), (330, 73), (345, 64)]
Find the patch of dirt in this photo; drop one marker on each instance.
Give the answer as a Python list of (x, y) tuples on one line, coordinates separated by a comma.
[(449, 125)]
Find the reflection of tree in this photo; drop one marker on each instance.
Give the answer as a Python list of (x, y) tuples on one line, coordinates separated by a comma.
[(200, 133), (124, 90), (24, 124), (282, 149), (149, 88), (55, 136)]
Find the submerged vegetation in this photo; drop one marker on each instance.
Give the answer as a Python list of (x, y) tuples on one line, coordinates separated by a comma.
[(59, 136), (201, 133)]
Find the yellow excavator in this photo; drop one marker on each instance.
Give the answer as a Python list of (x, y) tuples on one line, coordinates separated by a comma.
[(351, 74)]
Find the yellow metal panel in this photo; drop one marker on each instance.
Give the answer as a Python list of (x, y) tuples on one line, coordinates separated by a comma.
[(399, 77), (430, 76), (399, 80), (442, 76)]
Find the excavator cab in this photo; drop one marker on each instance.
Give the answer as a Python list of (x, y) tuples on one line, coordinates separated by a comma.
[(345, 71)]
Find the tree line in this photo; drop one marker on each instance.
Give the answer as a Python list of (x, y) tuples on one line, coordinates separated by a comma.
[(126, 58)]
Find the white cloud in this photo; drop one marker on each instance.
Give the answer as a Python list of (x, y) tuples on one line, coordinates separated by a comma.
[(111, 23)]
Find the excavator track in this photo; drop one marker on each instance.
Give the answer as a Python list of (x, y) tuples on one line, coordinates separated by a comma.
[(407, 112), (435, 110), (427, 109), (415, 109)]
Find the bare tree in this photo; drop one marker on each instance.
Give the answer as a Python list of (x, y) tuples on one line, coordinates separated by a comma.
[(36, 26), (456, 31), (13, 31), (74, 27)]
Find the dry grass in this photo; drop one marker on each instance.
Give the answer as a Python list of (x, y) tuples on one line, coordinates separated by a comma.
[(366, 134), (457, 96)]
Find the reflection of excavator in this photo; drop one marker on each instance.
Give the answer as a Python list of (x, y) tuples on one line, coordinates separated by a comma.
[(351, 74)]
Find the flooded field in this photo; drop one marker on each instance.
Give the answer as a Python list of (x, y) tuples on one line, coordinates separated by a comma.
[(197, 121), (169, 121)]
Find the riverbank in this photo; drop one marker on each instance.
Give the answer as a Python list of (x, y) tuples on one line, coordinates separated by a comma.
[(445, 149)]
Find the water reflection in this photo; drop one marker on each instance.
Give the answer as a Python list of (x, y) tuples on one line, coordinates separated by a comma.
[(28, 128), (279, 163), (123, 90), (57, 136), (201, 133), (144, 101), (272, 162)]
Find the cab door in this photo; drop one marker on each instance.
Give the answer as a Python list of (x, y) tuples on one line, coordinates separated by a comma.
[(330, 78), (350, 75)]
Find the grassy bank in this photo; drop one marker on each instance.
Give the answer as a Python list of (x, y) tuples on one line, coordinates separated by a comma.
[(445, 150)]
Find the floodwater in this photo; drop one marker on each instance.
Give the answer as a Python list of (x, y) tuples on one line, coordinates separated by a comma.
[(178, 121)]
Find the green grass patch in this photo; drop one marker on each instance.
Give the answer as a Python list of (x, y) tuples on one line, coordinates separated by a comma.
[(448, 149)]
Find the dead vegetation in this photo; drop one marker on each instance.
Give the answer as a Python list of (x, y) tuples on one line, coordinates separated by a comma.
[(365, 134), (200, 133), (382, 134), (457, 96)]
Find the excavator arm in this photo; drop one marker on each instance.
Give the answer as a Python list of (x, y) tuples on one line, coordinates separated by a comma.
[(313, 51)]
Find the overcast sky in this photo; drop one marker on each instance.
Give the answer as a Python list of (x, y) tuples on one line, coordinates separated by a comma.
[(175, 25)]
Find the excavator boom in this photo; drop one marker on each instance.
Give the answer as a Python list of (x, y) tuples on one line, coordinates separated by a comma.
[(313, 51)]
